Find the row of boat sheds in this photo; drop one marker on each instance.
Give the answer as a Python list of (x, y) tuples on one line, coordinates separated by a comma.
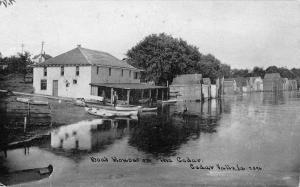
[(194, 87)]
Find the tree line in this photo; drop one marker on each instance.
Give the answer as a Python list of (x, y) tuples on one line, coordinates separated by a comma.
[(163, 57)]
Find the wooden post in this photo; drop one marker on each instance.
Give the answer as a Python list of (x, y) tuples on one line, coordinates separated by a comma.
[(162, 94), (128, 96), (156, 97), (25, 123), (142, 94), (111, 95)]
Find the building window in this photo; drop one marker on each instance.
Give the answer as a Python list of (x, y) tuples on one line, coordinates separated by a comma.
[(122, 72), (43, 84), (129, 73), (135, 75), (97, 70), (45, 71), (109, 71), (77, 70), (62, 71), (74, 81)]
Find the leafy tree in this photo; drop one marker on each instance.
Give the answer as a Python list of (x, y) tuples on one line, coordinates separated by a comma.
[(209, 67), (286, 73), (6, 2), (225, 70), (240, 73), (163, 57), (258, 72), (19, 63), (272, 69)]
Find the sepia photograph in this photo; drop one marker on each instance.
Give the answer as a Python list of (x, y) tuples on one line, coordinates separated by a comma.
[(151, 93)]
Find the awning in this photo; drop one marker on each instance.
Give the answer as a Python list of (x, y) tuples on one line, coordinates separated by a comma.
[(128, 86)]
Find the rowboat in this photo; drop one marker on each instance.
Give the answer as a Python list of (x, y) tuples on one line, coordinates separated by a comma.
[(110, 112), (127, 108), (148, 109), (170, 101), (99, 112), (28, 175), (31, 101)]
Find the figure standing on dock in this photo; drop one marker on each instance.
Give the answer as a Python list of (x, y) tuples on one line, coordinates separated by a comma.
[(115, 98)]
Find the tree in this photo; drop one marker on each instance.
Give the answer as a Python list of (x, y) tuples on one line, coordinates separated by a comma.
[(258, 72), (6, 2), (272, 69), (240, 73), (286, 73), (225, 70), (163, 57)]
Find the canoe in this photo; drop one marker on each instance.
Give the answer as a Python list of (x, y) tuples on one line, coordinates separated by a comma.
[(170, 101), (127, 108), (110, 112), (24, 176), (149, 109), (31, 101), (99, 112)]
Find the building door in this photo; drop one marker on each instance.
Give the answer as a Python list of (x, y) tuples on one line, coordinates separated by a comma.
[(55, 88)]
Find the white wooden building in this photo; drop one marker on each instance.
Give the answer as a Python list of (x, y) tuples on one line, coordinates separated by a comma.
[(72, 73)]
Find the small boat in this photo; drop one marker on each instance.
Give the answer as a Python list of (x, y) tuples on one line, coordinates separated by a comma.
[(99, 112), (170, 101), (149, 109), (127, 108), (31, 101), (110, 112), (28, 175)]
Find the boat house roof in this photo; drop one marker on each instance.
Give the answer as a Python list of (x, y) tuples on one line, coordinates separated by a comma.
[(87, 57)]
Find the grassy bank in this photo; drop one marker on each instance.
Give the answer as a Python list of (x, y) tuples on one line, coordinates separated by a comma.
[(15, 82), (60, 112)]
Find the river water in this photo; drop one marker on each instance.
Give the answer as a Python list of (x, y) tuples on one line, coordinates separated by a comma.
[(241, 140)]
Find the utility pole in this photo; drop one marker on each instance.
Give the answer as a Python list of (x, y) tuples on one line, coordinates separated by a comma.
[(42, 47), (22, 46)]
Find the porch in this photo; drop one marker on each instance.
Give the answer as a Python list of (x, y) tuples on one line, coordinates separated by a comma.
[(130, 93)]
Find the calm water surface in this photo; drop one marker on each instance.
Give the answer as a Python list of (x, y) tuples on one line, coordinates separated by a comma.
[(260, 131)]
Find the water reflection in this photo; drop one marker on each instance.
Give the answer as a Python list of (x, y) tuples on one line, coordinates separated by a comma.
[(88, 136), (176, 124)]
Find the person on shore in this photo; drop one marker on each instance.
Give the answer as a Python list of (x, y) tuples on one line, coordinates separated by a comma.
[(115, 98)]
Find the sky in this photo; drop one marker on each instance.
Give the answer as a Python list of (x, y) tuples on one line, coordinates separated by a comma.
[(242, 34)]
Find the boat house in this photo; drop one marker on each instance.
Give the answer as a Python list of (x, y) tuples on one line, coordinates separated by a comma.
[(273, 82), (229, 86), (84, 73)]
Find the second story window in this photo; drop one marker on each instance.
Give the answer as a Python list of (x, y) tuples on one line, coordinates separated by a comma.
[(77, 70), (62, 71), (45, 71), (109, 71), (129, 73), (136, 75), (122, 72), (97, 70)]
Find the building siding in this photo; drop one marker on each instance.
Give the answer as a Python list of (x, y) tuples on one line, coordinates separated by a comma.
[(81, 89), (115, 77)]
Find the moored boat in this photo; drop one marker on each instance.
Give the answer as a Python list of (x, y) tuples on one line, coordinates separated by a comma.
[(31, 101), (28, 175), (149, 109), (127, 108), (170, 101), (110, 112)]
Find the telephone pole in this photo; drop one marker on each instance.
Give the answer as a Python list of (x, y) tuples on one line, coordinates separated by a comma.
[(22, 46)]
